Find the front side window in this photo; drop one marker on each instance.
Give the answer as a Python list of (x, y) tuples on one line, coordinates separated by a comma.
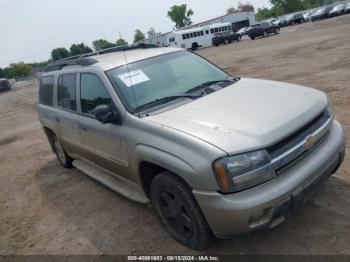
[(92, 93), (66, 92), (46, 90), (162, 76)]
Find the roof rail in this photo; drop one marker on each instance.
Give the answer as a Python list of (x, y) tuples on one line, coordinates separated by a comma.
[(83, 59)]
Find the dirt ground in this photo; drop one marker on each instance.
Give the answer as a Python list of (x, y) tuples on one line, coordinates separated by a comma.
[(46, 209)]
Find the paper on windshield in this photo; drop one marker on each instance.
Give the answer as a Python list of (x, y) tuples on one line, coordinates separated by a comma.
[(134, 78)]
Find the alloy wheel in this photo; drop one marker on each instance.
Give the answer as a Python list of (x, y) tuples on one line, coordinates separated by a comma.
[(175, 213)]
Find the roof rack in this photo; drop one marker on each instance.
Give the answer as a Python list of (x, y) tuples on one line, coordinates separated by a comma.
[(84, 60)]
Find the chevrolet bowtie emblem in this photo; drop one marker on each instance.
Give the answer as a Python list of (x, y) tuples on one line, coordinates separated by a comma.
[(310, 142)]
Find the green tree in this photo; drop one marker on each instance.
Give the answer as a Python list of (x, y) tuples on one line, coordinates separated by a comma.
[(180, 15), (2, 73), (59, 53), (40, 64), (121, 42), (17, 70), (152, 32), (102, 44), (139, 36), (288, 6), (78, 49), (231, 10), (245, 7)]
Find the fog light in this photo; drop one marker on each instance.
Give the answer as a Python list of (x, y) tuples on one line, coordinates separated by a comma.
[(260, 218)]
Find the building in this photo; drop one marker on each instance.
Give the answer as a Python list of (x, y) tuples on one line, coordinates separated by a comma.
[(238, 21)]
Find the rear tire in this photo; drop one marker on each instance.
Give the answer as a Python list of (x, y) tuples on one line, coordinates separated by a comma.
[(61, 154), (194, 46), (252, 37), (178, 211)]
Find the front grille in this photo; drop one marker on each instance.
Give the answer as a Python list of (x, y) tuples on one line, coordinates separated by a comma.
[(297, 137), (280, 170)]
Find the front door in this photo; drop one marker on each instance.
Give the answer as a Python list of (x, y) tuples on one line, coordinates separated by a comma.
[(104, 143)]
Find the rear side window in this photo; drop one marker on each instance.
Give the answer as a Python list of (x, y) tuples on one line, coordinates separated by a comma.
[(66, 92), (92, 93), (46, 90)]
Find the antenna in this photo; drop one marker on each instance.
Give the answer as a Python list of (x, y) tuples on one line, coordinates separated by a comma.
[(127, 67)]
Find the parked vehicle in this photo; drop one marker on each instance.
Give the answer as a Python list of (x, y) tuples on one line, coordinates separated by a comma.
[(214, 154), (278, 21), (337, 10), (5, 85), (243, 31), (197, 37), (347, 8), (307, 16), (321, 13), (226, 38), (263, 29), (297, 19), (292, 19)]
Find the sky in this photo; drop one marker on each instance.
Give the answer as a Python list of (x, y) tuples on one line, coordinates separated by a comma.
[(30, 29)]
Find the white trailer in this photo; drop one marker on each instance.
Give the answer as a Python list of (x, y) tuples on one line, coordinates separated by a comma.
[(196, 37)]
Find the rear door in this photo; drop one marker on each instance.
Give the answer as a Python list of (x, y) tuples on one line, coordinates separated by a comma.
[(104, 144), (66, 118)]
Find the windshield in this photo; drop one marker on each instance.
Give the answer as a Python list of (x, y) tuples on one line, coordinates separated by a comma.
[(167, 75)]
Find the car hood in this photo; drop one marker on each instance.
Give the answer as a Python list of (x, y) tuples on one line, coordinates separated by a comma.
[(247, 115)]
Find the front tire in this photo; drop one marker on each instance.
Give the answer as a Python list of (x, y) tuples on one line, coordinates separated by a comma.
[(179, 212), (61, 154), (265, 34), (277, 31)]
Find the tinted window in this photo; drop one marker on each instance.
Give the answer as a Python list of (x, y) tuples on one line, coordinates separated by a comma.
[(92, 93), (211, 30), (46, 90), (66, 93), (207, 31), (187, 35)]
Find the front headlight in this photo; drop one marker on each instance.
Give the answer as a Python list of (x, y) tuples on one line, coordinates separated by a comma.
[(243, 171)]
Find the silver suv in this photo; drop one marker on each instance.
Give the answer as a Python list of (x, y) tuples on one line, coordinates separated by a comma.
[(215, 155)]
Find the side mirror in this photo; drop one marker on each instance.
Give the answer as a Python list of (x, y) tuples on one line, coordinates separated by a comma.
[(107, 114)]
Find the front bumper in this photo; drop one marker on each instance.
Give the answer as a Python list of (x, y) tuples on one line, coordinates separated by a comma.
[(268, 204)]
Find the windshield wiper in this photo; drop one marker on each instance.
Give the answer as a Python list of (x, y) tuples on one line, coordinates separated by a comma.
[(165, 99), (210, 83)]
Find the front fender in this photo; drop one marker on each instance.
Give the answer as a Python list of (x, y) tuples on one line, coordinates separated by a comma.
[(165, 160)]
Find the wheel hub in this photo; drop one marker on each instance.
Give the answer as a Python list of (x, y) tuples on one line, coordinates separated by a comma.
[(175, 213)]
